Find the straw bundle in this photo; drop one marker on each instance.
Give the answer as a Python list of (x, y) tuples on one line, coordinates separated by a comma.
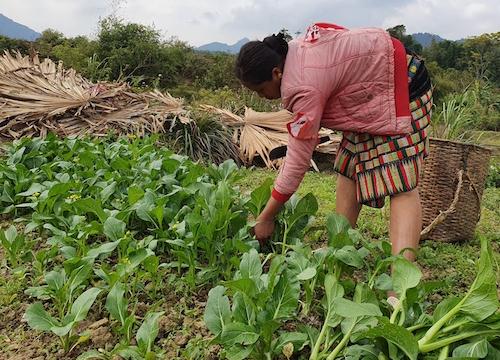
[(257, 133), (37, 97)]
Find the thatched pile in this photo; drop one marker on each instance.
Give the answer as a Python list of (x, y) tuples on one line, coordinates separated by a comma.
[(39, 96), (257, 133)]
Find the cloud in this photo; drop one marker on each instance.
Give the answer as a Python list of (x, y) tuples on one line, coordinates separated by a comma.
[(203, 21), (451, 19)]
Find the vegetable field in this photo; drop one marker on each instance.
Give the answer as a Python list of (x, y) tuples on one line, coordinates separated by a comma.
[(122, 249)]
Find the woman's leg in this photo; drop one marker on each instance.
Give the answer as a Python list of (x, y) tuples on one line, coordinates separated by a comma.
[(406, 222), (346, 201)]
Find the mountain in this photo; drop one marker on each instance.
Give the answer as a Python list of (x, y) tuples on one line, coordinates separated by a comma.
[(14, 30), (221, 47), (425, 39)]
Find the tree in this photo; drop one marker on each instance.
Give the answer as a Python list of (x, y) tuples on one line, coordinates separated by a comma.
[(75, 52), (47, 41), (399, 32), (7, 43), (129, 49), (448, 54), (482, 56)]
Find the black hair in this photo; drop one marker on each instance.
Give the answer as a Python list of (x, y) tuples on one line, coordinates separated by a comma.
[(257, 59)]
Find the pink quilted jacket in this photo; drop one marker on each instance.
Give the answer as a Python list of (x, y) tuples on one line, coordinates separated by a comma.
[(349, 80)]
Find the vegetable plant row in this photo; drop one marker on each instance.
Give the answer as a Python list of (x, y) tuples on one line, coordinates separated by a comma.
[(100, 226)]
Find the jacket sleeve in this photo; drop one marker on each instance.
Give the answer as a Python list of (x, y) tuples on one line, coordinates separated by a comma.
[(307, 106)]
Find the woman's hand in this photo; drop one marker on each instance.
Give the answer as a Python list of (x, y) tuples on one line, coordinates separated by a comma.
[(264, 229), (265, 221)]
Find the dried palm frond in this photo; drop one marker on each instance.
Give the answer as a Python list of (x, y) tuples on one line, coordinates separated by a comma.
[(39, 96), (257, 133)]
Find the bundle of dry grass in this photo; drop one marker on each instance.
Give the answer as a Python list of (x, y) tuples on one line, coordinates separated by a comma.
[(257, 133), (39, 96)]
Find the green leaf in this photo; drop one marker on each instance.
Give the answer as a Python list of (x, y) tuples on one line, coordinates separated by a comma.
[(274, 272), (92, 354), (83, 303), (383, 282), (120, 164), (493, 353), (129, 352), (296, 338), (338, 231), (243, 309), (444, 307), (350, 256), (311, 332), (137, 257), (63, 330), (17, 156), (55, 279), (307, 274), (38, 318), (259, 197), (77, 277), (217, 311), (89, 205), (347, 308), (8, 236), (135, 193), (114, 229), (482, 299), (238, 333), (34, 188), (108, 191), (305, 207), (238, 352), (60, 189), (396, 335), (151, 264), (285, 297), (406, 275), (148, 331), (478, 349), (361, 325), (333, 289), (361, 352), (116, 304), (245, 286), (158, 212), (102, 249), (250, 266)]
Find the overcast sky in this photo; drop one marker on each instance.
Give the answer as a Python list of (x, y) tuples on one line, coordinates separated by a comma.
[(202, 21)]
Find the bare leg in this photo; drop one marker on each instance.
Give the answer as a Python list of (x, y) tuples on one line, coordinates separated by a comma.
[(346, 201), (406, 222)]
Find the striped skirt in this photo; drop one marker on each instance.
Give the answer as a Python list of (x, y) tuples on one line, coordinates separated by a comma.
[(386, 165)]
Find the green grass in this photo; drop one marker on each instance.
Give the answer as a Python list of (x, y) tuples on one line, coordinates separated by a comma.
[(451, 263)]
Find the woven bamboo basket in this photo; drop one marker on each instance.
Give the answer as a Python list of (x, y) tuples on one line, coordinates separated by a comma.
[(451, 188)]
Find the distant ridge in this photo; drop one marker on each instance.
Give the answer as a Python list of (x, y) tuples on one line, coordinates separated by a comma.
[(14, 30), (222, 47), (426, 39)]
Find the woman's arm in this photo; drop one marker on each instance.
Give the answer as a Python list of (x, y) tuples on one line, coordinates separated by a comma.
[(303, 137)]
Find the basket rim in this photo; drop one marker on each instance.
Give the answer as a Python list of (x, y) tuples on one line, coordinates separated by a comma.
[(460, 143)]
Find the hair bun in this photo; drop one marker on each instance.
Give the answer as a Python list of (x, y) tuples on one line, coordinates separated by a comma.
[(277, 43)]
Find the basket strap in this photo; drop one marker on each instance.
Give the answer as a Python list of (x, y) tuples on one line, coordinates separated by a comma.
[(452, 208)]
